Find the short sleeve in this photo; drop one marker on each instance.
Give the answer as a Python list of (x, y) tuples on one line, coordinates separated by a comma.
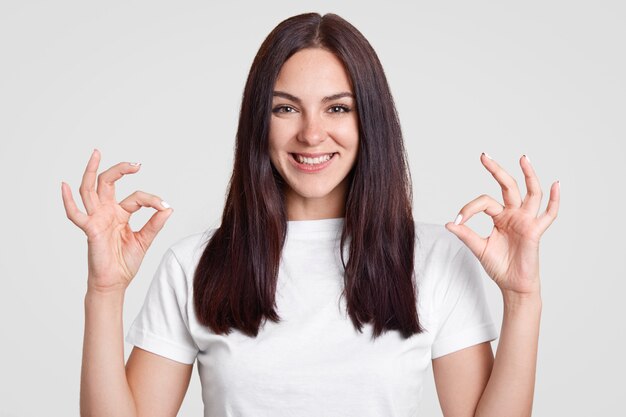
[(462, 313), (162, 326)]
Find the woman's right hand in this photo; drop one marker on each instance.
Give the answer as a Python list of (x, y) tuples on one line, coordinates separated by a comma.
[(114, 251)]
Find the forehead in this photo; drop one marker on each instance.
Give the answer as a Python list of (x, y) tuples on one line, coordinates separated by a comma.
[(313, 72)]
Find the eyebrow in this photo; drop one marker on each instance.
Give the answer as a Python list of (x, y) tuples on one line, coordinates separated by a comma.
[(324, 100)]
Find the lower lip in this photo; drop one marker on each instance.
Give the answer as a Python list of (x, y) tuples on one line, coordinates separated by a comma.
[(310, 168)]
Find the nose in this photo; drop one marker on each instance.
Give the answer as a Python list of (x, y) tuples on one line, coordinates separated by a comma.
[(312, 131)]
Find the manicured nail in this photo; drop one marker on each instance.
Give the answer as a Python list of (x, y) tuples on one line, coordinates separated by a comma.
[(134, 164), (527, 158), (164, 204), (487, 155), (458, 219)]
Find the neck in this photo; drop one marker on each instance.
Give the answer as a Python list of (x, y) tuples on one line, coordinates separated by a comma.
[(330, 206)]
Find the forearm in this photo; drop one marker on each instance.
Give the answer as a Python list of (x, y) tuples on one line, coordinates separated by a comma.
[(511, 385), (104, 389)]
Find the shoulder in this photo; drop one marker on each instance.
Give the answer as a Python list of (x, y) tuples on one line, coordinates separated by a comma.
[(443, 266), (438, 252), (435, 241), (188, 250)]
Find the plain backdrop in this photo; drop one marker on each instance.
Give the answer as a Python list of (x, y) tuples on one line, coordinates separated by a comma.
[(161, 83)]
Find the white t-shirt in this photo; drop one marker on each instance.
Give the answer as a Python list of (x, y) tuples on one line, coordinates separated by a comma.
[(314, 363)]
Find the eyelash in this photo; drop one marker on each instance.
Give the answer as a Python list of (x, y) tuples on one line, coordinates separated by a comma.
[(344, 109)]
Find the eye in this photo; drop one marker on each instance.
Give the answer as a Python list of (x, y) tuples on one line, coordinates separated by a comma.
[(339, 109), (284, 109)]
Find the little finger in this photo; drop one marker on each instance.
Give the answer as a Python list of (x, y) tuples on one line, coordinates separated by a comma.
[(546, 219), (71, 210)]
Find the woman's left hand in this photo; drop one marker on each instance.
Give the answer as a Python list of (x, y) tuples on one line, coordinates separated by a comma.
[(510, 254)]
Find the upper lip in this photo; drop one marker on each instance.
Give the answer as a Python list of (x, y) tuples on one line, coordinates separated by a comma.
[(312, 155)]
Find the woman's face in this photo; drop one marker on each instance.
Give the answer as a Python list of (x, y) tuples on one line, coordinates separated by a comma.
[(314, 136)]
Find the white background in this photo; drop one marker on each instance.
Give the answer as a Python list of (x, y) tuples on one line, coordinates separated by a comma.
[(161, 83)]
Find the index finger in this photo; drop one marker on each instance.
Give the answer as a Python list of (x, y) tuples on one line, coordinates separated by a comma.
[(106, 180)]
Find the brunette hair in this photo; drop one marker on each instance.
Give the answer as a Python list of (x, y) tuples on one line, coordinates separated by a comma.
[(235, 280)]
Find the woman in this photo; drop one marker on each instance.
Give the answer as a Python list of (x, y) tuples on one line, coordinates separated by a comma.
[(318, 294)]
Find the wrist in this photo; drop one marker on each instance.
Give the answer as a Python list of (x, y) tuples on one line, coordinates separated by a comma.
[(108, 295), (512, 300)]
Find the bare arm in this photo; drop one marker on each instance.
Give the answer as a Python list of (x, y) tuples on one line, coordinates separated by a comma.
[(511, 386), (510, 256), (104, 389), (470, 383), (149, 385), (461, 377), (115, 252), (158, 384)]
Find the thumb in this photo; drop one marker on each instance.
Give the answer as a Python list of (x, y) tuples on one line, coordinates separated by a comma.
[(152, 227), (473, 241)]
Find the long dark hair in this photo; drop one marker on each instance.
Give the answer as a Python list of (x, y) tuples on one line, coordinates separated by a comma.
[(235, 280)]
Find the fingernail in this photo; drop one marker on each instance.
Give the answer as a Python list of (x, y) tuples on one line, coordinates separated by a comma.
[(134, 164), (164, 204), (527, 158), (487, 155), (458, 219)]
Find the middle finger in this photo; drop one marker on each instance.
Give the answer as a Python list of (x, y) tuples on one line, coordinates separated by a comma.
[(510, 190)]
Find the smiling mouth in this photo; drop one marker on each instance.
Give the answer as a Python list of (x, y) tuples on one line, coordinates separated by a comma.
[(312, 161)]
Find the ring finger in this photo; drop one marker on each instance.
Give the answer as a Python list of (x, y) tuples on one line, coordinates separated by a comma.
[(532, 201), (87, 188)]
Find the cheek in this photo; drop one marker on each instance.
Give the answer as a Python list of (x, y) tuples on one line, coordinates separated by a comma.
[(274, 154), (348, 134), (280, 132), (274, 138)]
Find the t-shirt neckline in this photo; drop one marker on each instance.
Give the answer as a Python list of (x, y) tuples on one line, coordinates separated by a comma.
[(319, 225)]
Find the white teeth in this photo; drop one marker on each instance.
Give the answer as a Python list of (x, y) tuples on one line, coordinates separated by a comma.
[(313, 161)]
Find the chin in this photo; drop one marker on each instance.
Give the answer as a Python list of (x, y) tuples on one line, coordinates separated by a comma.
[(313, 192), (317, 194)]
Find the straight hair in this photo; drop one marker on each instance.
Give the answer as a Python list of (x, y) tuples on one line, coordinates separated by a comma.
[(235, 281)]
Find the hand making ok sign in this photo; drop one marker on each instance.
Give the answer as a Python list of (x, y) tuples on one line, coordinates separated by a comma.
[(114, 251), (510, 254)]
